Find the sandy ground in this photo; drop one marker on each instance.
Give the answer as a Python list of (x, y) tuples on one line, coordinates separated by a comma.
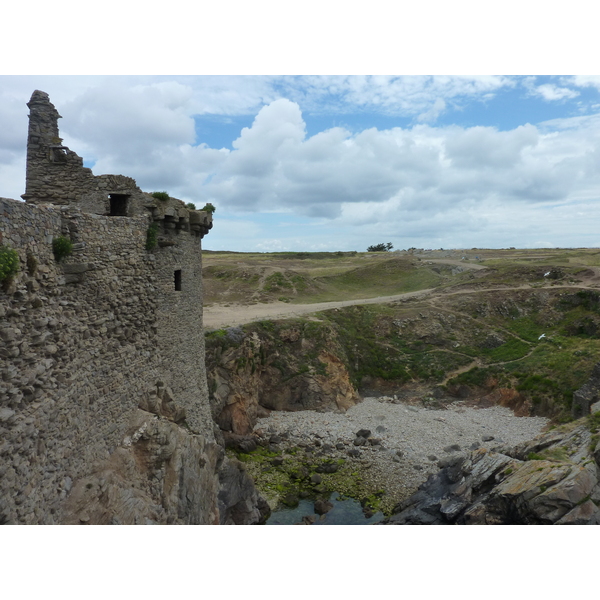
[(239, 314)]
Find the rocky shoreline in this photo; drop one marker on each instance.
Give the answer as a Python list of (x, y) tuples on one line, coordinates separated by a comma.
[(385, 445), (552, 479)]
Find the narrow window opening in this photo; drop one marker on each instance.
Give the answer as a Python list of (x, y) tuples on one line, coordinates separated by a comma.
[(178, 280), (118, 205)]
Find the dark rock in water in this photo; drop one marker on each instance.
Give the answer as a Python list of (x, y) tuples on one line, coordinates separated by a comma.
[(290, 499), (304, 494), (323, 506), (364, 433), (359, 441), (487, 438), (309, 520)]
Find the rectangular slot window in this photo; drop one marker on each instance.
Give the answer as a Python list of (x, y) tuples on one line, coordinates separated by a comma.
[(178, 280), (118, 205)]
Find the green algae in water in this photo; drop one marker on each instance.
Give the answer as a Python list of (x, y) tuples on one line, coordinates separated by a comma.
[(345, 511)]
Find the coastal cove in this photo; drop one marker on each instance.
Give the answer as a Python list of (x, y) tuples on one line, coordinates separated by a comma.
[(309, 454)]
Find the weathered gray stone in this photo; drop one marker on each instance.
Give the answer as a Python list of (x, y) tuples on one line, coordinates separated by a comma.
[(77, 360), (587, 395), (487, 487), (75, 268)]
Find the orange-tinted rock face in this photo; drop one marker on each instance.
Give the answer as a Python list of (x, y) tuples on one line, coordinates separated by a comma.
[(274, 371)]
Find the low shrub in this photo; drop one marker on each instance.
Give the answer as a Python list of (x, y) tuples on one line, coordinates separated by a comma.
[(151, 236), (62, 247), (9, 263), (160, 196), (208, 207)]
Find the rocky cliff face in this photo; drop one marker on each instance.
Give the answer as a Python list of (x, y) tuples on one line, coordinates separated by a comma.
[(104, 410), (553, 479), (162, 474), (281, 366)]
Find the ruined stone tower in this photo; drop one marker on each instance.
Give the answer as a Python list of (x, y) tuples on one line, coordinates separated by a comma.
[(104, 411)]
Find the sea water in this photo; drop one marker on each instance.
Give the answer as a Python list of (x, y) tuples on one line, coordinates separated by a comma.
[(345, 511)]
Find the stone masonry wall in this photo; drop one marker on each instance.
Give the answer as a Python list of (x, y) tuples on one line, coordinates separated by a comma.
[(102, 378), (104, 410), (55, 174)]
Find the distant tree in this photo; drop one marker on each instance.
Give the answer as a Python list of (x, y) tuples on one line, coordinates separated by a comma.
[(380, 247)]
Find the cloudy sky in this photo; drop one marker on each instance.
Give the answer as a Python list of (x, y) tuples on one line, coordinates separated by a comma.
[(334, 162)]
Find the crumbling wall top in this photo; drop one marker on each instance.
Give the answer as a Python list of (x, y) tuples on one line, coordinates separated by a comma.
[(56, 175)]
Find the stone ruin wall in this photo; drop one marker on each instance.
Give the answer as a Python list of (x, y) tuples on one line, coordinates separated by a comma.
[(104, 411), (55, 174)]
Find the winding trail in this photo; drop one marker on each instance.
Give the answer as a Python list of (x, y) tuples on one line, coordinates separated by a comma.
[(238, 314), (230, 315)]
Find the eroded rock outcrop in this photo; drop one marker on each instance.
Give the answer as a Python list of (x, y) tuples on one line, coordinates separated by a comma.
[(163, 474), (290, 367), (553, 479), (587, 395)]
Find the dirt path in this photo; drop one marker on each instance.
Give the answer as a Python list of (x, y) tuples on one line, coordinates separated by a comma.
[(239, 314)]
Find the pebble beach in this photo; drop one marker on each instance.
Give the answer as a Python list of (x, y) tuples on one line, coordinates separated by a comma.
[(405, 442)]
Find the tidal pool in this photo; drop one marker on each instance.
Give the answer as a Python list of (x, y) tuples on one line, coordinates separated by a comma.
[(345, 511)]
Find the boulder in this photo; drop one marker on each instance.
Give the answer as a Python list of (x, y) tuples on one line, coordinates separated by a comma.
[(550, 480), (587, 395), (323, 506)]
